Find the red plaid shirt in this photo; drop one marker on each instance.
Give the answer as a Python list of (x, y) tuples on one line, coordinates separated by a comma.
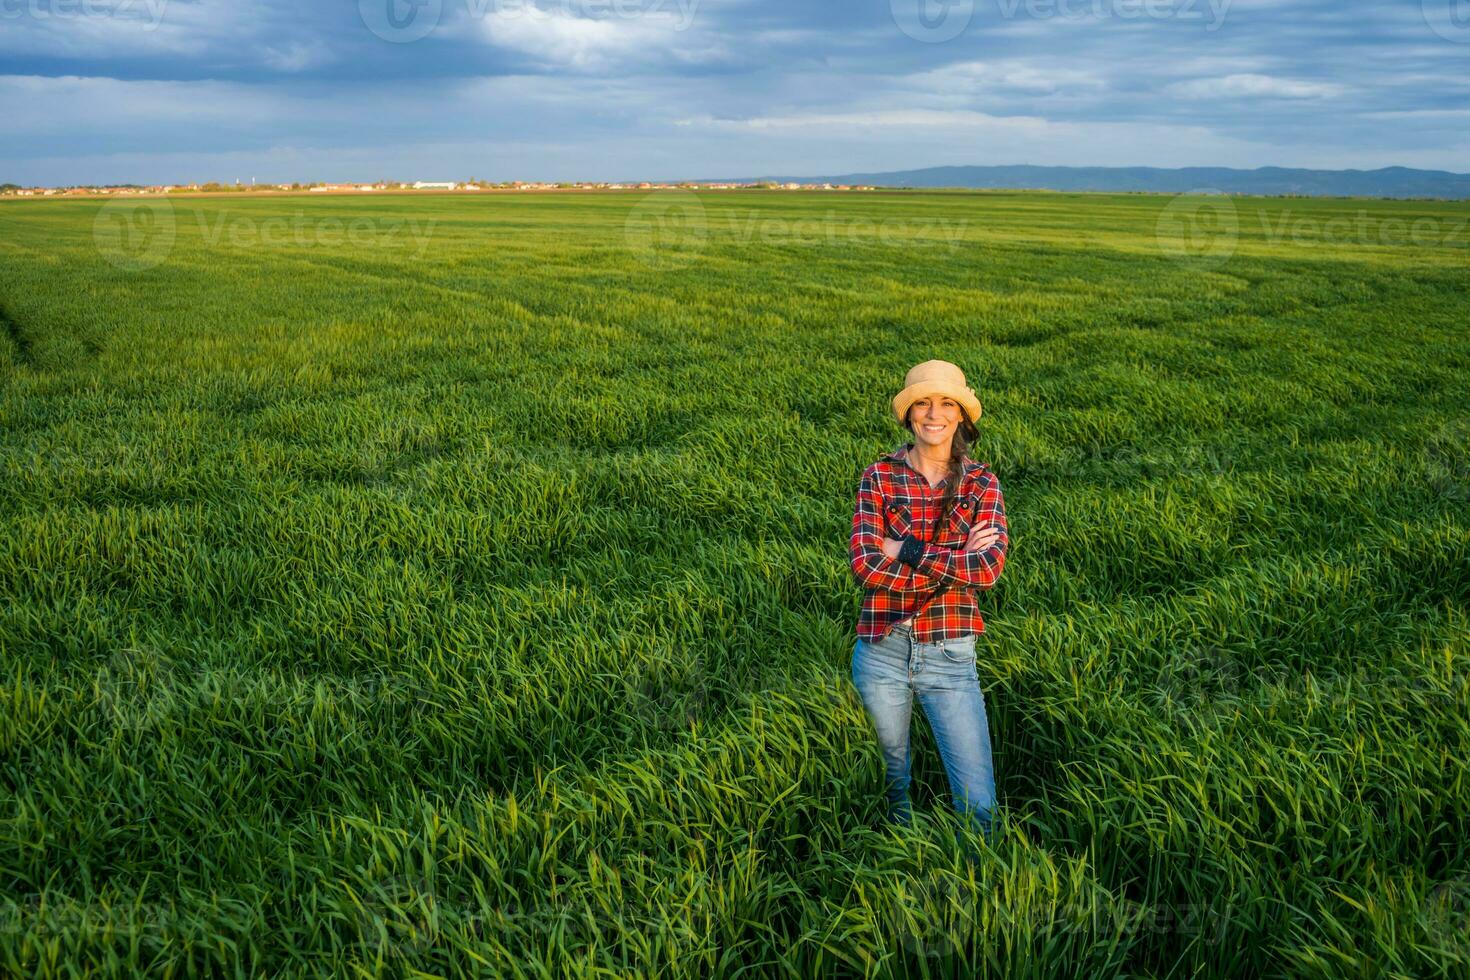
[(894, 499)]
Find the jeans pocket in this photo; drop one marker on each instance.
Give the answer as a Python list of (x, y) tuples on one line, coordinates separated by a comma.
[(960, 651)]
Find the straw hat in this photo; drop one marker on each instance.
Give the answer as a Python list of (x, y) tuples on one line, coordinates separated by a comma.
[(935, 378)]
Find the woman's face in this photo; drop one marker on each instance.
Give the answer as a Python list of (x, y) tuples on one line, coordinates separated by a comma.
[(934, 420)]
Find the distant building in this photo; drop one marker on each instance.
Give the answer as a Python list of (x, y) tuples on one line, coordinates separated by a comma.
[(434, 185)]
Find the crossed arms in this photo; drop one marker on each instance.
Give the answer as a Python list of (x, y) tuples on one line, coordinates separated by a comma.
[(874, 557)]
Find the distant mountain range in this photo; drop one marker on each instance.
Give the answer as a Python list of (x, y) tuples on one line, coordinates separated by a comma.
[(1387, 182)]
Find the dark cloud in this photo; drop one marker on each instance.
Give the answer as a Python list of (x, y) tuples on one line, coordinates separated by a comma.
[(163, 89)]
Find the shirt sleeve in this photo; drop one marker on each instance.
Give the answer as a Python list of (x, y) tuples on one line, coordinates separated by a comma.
[(973, 568), (870, 566)]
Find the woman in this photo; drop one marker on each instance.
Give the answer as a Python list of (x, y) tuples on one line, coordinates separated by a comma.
[(929, 529)]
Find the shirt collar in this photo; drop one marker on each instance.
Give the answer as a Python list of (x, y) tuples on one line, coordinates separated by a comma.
[(899, 457)]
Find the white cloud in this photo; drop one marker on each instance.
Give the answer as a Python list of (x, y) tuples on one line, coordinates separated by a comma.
[(295, 57), (886, 118), (33, 103), (556, 37), (1253, 86), (977, 78), (1429, 114)]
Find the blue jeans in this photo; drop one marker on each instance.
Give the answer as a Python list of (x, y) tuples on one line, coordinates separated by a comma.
[(888, 674)]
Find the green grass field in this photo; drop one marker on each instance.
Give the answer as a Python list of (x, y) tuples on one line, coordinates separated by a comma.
[(459, 584)]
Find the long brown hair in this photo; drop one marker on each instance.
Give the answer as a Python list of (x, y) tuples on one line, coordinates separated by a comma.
[(959, 445)]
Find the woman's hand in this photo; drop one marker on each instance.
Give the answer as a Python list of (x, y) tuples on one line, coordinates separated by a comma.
[(982, 536)]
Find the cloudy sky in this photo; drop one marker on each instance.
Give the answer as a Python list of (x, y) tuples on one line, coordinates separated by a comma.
[(194, 90)]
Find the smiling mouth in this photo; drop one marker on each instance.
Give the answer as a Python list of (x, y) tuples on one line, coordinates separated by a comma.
[(935, 428)]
